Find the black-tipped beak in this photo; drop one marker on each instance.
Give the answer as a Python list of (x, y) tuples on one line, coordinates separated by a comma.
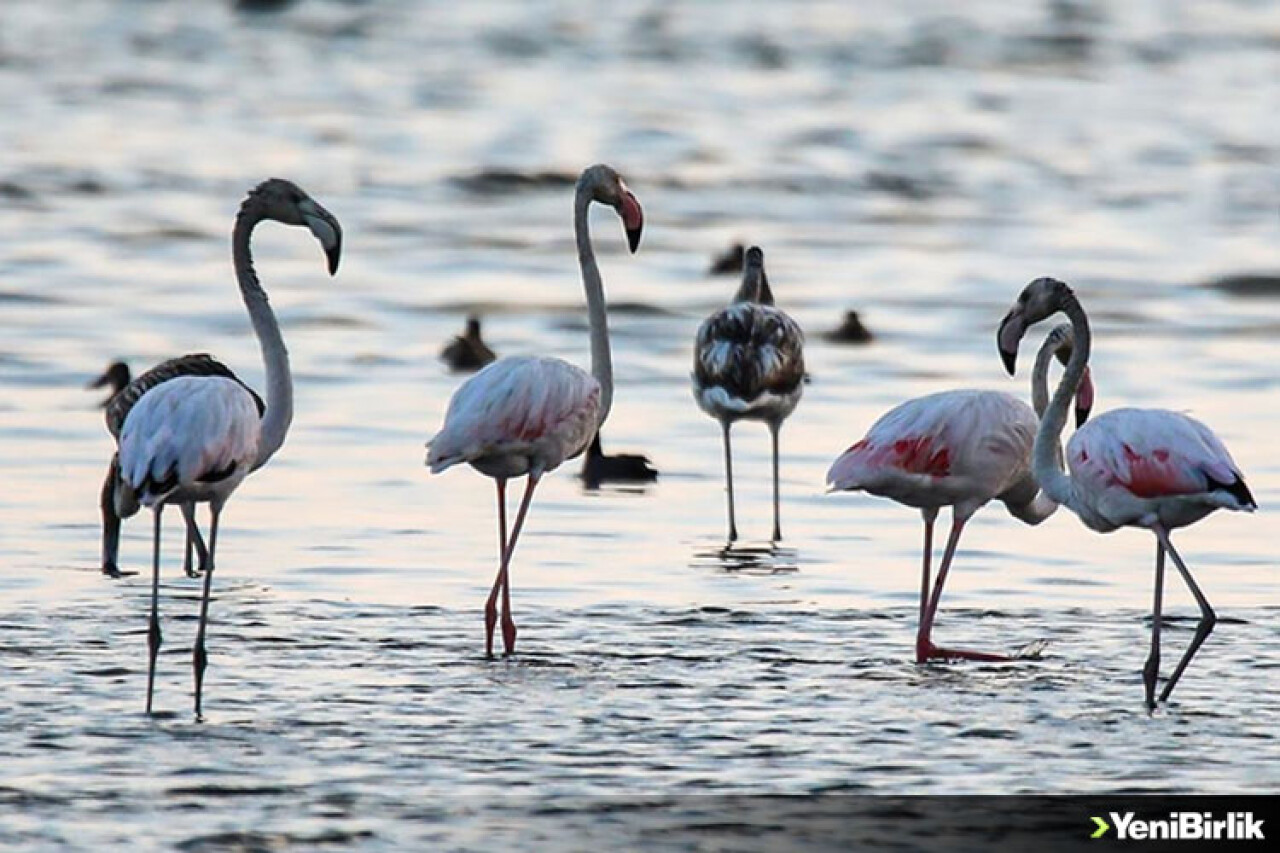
[(1082, 415), (334, 255), (1008, 336), (633, 238)]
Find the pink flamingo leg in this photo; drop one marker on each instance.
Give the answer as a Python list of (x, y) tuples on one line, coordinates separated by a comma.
[(925, 649), (508, 624), (1207, 617), (1151, 670), (491, 606), (929, 516)]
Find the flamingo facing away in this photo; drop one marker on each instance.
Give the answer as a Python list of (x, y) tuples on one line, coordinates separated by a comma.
[(748, 363), (960, 449), (598, 468), (1149, 468), (523, 416), (193, 438), (468, 351), (125, 392)]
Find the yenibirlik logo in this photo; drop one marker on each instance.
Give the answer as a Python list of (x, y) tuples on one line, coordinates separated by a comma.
[(1183, 826)]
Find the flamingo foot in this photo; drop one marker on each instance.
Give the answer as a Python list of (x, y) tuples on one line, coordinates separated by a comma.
[(508, 635), (112, 571), (927, 651)]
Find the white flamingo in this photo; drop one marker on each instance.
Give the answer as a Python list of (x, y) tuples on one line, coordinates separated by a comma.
[(748, 364), (960, 449), (523, 416), (115, 503), (1149, 468), (193, 439)]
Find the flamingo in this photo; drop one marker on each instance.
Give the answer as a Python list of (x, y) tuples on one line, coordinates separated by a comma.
[(749, 364), (467, 352), (125, 392), (598, 468), (194, 438), (1149, 468), (962, 449), (523, 416)]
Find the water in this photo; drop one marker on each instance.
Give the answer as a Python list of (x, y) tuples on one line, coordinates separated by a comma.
[(918, 164)]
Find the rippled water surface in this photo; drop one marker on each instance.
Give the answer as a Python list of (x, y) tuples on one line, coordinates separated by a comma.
[(916, 162)]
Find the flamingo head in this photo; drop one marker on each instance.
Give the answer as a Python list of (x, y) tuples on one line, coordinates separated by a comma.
[(1062, 339), (607, 187), (284, 201), (1038, 300)]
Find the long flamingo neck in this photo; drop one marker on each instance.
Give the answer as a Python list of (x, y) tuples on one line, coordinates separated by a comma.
[(597, 317), (275, 358), (1047, 455)]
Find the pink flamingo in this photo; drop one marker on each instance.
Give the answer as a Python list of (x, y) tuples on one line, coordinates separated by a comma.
[(524, 416), (959, 449), (1149, 468)]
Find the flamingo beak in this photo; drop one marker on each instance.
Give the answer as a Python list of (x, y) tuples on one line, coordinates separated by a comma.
[(326, 229), (1084, 397), (632, 219), (1012, 328)]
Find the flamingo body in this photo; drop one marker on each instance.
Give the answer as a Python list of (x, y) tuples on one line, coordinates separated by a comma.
[(1138, 466), (519, 415), (192, 438), (957, 448), (749, 363)]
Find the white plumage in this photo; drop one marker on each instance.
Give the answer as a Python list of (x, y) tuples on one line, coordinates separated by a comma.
[(524, 416), (960, 449), (193, 435), (1149, 468)]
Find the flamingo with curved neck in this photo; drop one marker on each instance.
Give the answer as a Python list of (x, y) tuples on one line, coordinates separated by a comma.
[(194, 438), (961, 449), (523, 416), (1149, 468)]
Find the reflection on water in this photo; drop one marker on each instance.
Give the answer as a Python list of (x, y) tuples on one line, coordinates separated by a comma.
[(918, 166)]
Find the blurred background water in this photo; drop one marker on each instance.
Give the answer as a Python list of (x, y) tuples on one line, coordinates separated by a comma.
[(918, 162)]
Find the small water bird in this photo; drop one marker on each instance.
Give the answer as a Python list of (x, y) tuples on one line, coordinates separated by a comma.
[(850, 331), (523, 416), (960, 449), (748, 364), (194, 438), (467, 352), (598, 468), (114, 378), (1150, 468), (729, 261)]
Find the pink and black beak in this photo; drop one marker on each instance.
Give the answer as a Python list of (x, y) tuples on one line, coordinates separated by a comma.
[(1084, 397), (632, 218)]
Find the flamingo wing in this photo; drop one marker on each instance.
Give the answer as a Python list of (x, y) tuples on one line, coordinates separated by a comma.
[(941, 447), (192, 364), (1154, 453), (532, 406), (188, 431)]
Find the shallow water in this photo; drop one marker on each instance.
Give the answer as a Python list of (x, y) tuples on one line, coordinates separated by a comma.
[(919, 166)]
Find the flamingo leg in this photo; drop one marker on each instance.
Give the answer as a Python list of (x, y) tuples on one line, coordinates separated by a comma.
[(194, 542), (508, 624), (110, 523), (929, 516), (1207, 617), (491, 606), (153, 626), (728, 479), (199, 658), (777, 526), (925, 649), (1151, 669)]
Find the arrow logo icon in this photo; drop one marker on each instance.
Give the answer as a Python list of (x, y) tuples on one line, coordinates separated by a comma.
[(1102, 828)]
